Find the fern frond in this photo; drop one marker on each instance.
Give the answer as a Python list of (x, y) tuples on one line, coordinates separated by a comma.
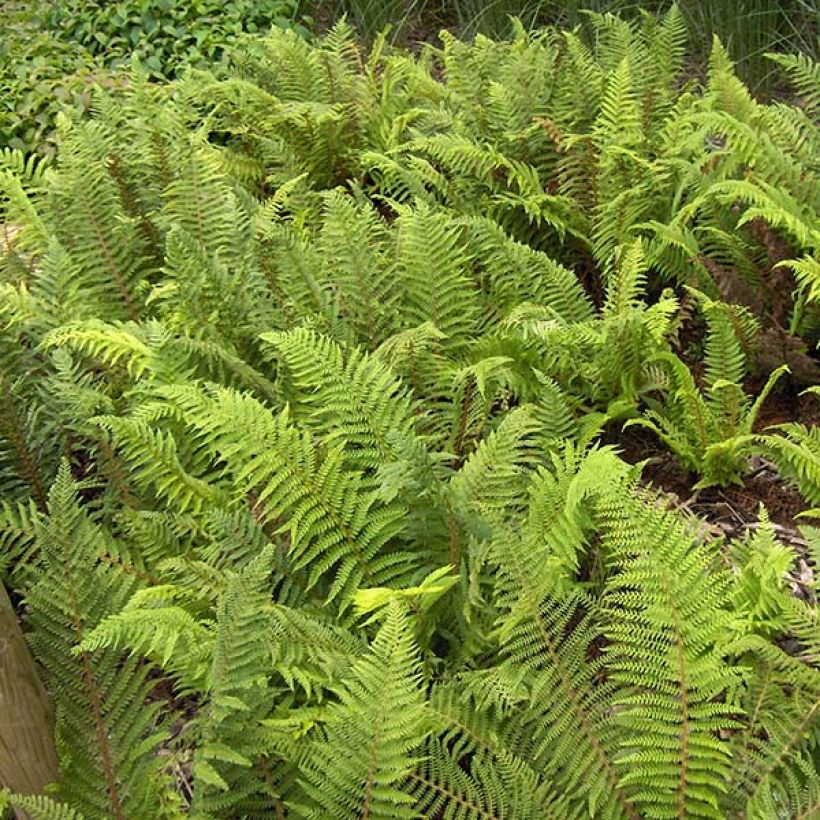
[(345, 396), (773, 752), (155, 462), (670, 710), (807, 272), (434, 261), (200, 201), (805, 76), (795, 448), (155, 624), (17, 533), (38, 807), (354, 245), (104, 723), (239, 696), (493, 478), (332, 519), (374, 733), (518, 273)]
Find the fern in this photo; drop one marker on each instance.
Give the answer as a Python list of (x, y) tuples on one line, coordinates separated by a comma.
[(434, 268), (350, 398), (331, 352), (101, 700), (795, 448), (376, 747), (670, 710), (711, 429), (333, 519), (43, 808)]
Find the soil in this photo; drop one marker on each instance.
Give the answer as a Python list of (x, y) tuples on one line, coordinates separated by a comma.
[(732, 512)]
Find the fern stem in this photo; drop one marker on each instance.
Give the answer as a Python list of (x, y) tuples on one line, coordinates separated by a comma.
[(371, 770), (129, 569), (96, 708), (278, 806), (25, 459), (466, 399), (109, 257), (131, 206), (117, 474), (753, 722), (684, 706), (454, 540)]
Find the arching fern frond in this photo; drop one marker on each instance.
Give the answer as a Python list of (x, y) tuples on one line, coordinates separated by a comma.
[(374, 733), (343, 395), (795, 448), (104, 718), (671, 710), (332, 519)]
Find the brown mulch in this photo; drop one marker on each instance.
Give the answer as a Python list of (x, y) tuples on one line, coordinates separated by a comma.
[(733, 512)]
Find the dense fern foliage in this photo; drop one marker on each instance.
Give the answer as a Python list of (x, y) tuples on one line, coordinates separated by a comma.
[(305, 371)]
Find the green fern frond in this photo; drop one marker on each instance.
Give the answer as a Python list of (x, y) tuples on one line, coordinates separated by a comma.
[(155, 624), (773, 752), (795, 448), (200, 201), (38, 807), (493, 478), (472, 769), (354, 245), (92, 223), (807, 272), (434, 274), (104, 723), (155, 462), (332, 519), (628, 283), (345, 396), (17, 533), (669, 710), (239, 697), (731, 332), (805, 75), (570, 723), (111, 343), (518, 273), (374, 733)]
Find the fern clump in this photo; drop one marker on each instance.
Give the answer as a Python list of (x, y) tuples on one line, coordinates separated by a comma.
[(308, 370)]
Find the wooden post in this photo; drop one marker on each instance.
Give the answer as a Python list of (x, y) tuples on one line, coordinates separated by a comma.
[(28, 759)]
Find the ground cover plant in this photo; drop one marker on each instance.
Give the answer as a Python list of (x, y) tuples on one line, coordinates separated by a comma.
[(164, 35), (40, 74), (52, 54), (315, 373)]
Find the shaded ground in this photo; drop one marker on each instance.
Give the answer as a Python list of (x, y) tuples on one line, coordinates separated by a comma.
[(731, 512)]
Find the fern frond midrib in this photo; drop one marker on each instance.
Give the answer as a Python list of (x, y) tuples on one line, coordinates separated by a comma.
[(119, 279), (13, 430), (100, 730), (772, 762), (532, 598), (455, 798)]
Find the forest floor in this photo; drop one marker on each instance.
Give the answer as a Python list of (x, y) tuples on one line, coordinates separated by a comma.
[(733, 512)]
